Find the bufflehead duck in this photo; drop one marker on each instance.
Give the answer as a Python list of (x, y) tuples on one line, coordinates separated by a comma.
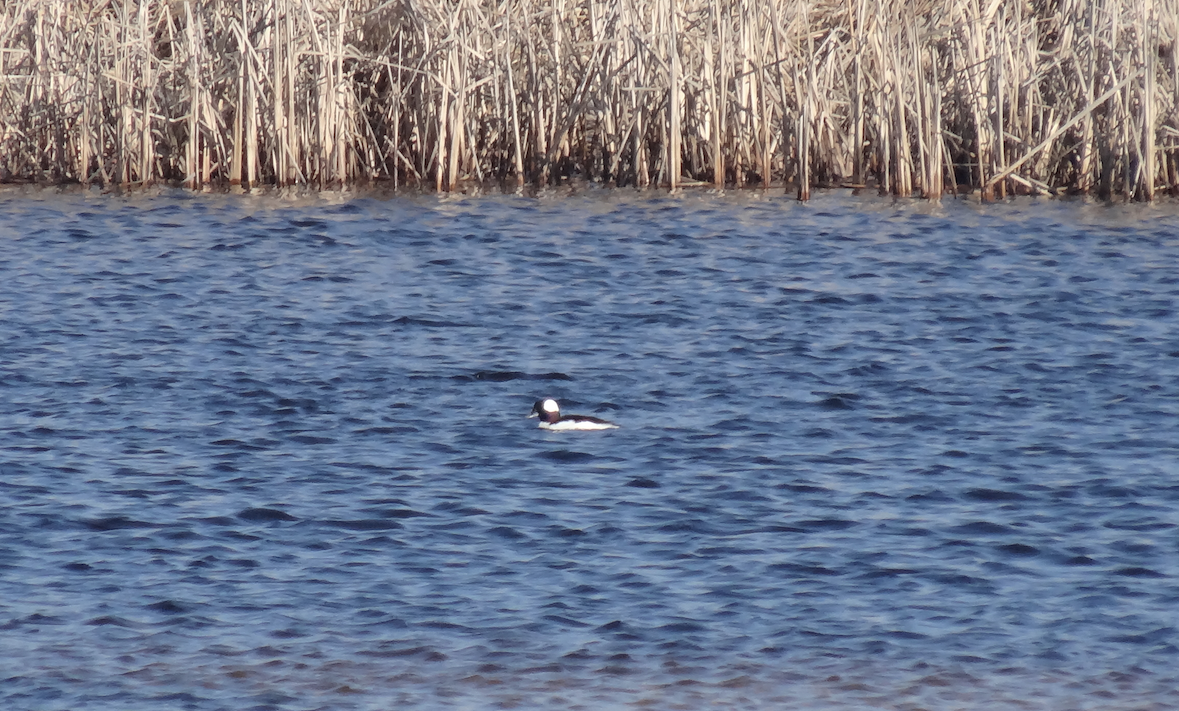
[(551, 419)]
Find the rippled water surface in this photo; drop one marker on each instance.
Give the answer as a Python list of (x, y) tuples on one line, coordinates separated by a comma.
[(259, 453)]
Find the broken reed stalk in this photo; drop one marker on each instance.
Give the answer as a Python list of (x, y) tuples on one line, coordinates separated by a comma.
[(1006, 96)]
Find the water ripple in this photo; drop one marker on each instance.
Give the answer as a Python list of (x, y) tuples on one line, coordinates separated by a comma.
[(874, 454)]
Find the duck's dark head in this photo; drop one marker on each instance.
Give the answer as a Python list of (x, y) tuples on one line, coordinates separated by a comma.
[(547, 410)]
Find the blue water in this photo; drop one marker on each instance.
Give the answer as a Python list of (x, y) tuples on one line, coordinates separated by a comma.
[(271, 453)]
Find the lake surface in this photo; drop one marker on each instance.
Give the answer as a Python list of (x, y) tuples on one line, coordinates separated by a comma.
[(270, 453)]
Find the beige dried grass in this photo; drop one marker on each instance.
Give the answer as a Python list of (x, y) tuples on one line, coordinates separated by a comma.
[(1005, 96)]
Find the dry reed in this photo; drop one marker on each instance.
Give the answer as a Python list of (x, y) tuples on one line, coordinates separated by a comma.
[(913, 97)]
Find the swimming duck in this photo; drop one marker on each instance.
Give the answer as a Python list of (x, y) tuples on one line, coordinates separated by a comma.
[(551, 418)]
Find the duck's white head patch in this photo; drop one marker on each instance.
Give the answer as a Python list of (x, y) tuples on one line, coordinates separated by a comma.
[(550, 406)]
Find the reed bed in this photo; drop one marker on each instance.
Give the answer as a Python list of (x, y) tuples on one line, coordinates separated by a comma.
[(908, 96)]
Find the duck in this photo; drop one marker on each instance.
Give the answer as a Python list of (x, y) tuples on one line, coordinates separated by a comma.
[(551, 418)]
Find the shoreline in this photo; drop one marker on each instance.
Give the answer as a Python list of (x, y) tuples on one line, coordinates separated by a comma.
[(384, 189)]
